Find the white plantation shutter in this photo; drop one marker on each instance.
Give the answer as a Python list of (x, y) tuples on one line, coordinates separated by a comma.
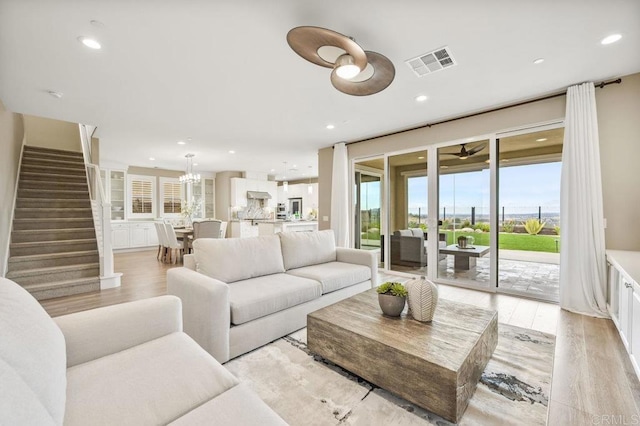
[(171, 197), (141, 196)]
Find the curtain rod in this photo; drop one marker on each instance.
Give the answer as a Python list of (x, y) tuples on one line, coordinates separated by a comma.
[(556, 95)]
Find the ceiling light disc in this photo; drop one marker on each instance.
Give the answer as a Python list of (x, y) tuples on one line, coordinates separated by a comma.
[(383, 74), (306, 42)]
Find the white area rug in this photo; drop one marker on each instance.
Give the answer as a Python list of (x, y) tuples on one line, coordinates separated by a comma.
[(307, 390)]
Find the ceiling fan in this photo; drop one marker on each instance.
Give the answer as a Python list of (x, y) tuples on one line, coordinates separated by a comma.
[(355, 71), (466, 153)]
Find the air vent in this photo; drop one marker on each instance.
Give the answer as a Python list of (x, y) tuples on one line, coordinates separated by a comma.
[(430, 62)]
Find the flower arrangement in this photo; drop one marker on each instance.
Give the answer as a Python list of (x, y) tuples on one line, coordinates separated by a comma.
[(188, 208)]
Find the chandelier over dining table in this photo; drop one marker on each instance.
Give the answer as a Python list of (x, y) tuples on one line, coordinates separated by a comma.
[(189, 176)]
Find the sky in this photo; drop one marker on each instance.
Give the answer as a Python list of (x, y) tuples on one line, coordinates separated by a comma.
[(522, 190)]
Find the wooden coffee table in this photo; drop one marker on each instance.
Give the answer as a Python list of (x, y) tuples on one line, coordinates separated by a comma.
[(435, 365), (465, 258)]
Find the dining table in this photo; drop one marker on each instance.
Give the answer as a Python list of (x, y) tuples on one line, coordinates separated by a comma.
[(186, 234)]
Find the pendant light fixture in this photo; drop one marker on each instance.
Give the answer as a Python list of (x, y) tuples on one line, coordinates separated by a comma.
[(189, 176), (285, 184)]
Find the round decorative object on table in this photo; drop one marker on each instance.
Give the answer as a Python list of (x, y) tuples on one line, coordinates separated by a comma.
[(391, 305), (422, 299)]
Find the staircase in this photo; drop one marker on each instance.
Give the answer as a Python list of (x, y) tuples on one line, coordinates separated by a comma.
[(53, 249)]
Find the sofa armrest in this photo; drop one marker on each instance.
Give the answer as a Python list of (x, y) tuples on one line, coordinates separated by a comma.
[(360, 257), (99, 332), (206, 312)]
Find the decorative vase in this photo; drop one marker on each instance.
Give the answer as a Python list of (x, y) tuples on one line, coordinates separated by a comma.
[(422, 297), (391, 305)]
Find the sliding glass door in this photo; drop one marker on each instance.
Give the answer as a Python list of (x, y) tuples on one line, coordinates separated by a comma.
[(368, 196), (464, 213)]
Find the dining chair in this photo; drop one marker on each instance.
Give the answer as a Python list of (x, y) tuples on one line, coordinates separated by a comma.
[(207, 229), (173, 245), (223, 229), (162, 240)]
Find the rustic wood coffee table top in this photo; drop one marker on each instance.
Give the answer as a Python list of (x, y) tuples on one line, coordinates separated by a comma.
[(435, 365)]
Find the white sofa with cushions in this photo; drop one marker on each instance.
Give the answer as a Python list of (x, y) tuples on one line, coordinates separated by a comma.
[(127, 364), (241, 293)]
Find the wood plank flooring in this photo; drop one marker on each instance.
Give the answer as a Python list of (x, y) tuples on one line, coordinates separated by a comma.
[(593, 380)]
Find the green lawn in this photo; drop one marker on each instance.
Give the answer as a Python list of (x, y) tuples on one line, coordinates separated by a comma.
[(546, 243)]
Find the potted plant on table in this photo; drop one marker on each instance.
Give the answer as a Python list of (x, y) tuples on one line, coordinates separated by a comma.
[(392, 297)]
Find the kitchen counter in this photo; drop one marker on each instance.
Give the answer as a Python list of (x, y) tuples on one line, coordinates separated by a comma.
[(243, 228)]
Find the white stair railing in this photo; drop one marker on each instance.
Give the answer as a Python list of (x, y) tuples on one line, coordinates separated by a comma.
[(101, 208)]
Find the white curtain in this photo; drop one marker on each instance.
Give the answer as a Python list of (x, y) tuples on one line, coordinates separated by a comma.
[(340, 195), (582, 258)]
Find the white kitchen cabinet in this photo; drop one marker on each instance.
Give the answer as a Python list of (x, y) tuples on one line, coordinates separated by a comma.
[(119, 236), (238, 192), (244, 229), (623, 299)]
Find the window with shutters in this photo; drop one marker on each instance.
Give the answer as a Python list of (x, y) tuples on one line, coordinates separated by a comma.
[(141, 197), (171, 196)]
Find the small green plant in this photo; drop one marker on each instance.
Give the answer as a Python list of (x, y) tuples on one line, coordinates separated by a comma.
[(466, 224), (393, 289), (508, 226), (483, 226), (556, 229), (533, 226), (446, 224)]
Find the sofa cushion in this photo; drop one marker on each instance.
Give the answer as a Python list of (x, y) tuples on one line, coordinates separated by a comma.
[(334, 275), (403, 233), (234, 259), (239, 406), (152, 383), (19, 405), (32, 347), (417, 232), (261, 296), (307, 248)]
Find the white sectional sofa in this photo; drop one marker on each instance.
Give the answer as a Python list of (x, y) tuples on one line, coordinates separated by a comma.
[(127, 364), (241, 293)]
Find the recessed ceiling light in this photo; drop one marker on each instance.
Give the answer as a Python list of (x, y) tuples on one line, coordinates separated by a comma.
[(152, 159), (89, 42), (538, 61), (330, 126), (541, 140), (56, 95), (182, 143), (421, 158), (272, 170), (195, 164), (232, 152), (611, 39), (421, 98)]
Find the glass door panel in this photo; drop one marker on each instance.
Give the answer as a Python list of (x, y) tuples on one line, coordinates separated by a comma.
[(529, 213), (464, 213), (368, 196), (408, 215)]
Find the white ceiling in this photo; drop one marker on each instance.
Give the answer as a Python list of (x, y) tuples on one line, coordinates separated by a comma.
[(222, 73)]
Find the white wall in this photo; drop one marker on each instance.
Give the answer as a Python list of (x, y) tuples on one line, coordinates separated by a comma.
[(11, 140)]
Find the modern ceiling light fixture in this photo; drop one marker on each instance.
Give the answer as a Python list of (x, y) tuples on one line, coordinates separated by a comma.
[(355, 71), (421, 98), (330, 126), (189, 176), (90, 42)]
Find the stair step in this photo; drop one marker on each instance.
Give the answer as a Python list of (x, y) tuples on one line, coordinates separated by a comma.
[(33, 168), (35, 261), (28, 161), (52, 151), (52, 177), (55, 273), (52, 203), (48, 193), (50, 290), (34, 235), (29, 213), (53, 185), (53, 156), (52, 223), (44, 247)]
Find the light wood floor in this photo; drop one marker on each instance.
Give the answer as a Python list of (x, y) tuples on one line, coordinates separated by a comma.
[(592, 373)]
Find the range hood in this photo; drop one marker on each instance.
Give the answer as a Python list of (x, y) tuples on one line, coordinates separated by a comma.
[(258, 195)]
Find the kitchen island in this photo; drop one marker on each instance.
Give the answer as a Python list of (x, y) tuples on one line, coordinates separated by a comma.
[(244, 228)]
